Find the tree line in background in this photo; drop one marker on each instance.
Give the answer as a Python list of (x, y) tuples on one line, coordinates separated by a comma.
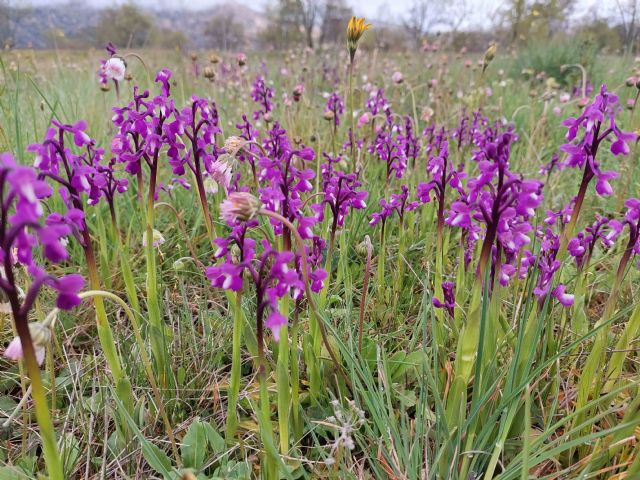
[(315, 23)]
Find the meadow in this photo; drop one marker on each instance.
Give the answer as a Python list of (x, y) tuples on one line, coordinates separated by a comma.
[(341, 263)]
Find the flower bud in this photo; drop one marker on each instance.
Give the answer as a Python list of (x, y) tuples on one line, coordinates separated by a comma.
[(489, 55), (180, 264), (234, 251), (158, 239)]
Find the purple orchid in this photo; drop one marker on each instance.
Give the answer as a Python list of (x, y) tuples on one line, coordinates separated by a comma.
[(269, 272), (597, 123), (449, 300), (334, 109), (262, 95), (22, 231)]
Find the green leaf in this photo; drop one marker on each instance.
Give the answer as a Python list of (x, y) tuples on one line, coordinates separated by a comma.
[(407, 398), (408, 365), (194, 445), (157, 459), (10, 473), (216, 442), (7, 404), (69, 452)]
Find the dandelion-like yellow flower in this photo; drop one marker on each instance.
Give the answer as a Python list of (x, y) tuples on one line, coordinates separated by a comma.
[(355, 30)]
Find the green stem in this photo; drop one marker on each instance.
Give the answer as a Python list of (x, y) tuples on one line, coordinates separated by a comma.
[(104, 329), (266, 432), (127, 273), (47, 432), (295, 375), (381, 264), (156, 327), (236, 364), (314, 314), (365, 287), (351, 124)]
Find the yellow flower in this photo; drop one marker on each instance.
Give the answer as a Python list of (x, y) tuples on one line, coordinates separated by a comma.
[(355, 30)]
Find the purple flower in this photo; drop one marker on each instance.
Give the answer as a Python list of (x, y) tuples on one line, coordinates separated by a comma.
[(597, 122), (564, 298), (23, 232), (581, 246), (392, 153), (68, 288), (334, 108), (262, 95), (398, 204), (341, 191), (501, 201), (269, 272), (163, 77), (449, 303)]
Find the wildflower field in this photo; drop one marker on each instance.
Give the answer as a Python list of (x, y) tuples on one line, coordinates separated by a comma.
[(318, 264)]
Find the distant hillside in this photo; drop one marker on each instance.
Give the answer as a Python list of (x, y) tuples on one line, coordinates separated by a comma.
[(73, 23)]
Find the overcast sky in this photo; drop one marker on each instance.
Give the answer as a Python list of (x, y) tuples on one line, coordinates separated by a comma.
[(483, 11)]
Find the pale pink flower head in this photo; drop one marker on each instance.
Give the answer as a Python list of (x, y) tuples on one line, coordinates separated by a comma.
[(40, 337), (115, 68), (564, 97), (239, 206), (219, 174), (427, 114), (363, 120), (397, 78)]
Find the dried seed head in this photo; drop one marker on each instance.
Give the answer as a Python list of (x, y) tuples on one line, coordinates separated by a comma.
[(209, 73), (234, 144)]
